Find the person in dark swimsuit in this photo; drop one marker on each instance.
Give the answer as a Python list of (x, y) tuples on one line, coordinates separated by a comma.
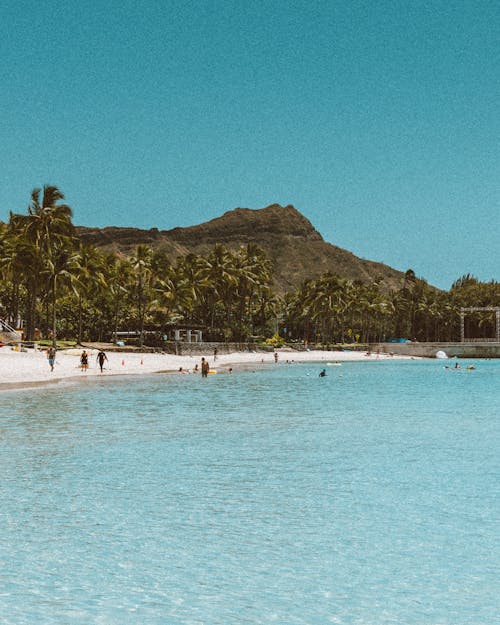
[(84, 361), (101, 358)]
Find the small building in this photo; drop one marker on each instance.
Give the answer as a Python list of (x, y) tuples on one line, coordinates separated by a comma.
[(184, 334)]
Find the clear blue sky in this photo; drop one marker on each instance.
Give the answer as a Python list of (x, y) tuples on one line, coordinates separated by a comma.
[(379, 121)]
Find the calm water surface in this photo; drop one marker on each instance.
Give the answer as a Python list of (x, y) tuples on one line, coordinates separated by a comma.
[(371, 496)]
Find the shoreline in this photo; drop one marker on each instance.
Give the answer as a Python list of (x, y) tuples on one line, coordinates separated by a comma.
[(31, 370)]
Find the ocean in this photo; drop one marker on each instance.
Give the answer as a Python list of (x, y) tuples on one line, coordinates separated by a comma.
[(270, 496)]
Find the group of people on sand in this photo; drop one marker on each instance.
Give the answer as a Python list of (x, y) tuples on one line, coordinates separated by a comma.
[(101, 359), (84, 359)]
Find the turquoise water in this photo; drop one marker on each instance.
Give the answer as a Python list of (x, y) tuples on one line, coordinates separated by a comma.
[(371, 496)]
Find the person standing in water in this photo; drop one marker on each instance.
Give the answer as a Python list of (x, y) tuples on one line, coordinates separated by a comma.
[(204, 368), (101, 358)]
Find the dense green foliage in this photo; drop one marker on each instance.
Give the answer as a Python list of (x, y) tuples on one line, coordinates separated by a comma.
[(69, 290)]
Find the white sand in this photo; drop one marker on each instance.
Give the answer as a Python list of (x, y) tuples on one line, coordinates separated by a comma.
[(18, 369)]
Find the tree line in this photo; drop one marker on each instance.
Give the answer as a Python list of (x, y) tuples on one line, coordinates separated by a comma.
[(65, 289)]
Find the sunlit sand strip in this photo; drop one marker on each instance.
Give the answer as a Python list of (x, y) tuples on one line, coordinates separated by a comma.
[(31, 368)]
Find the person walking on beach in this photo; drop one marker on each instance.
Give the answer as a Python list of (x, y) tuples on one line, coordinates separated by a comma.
[(101, 357), (276, 357), (204, 368), (84, 361), (215, 354), (51, 356)]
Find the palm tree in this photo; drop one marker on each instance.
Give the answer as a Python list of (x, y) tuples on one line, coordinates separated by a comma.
[(327, 302), (26, 266), (219, 274), (47, 235), (13, 268), (252, 270), (142, 266), (88, 278), (191, 286), (119, 284), (62, 263), (48, 221)]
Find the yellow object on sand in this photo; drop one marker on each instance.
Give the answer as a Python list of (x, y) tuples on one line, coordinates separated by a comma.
[(212, 371)]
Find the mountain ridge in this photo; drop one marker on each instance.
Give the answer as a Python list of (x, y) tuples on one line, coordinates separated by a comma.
[(296, 249)]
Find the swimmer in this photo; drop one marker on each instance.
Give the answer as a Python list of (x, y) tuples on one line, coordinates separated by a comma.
[(322, 373)]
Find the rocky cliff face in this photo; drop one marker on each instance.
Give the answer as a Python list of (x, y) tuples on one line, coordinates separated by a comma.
[(243, 225), (297, 250)]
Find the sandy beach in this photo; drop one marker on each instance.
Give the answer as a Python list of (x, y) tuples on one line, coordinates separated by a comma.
[(31, 368)]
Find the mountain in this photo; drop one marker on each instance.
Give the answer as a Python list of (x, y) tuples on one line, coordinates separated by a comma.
[(296, 249)]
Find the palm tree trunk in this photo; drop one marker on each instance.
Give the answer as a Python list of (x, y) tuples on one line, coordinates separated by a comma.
[(141, 311), (54, 312), (31, 307), (79, 339), (117, 310), (14, 304)]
